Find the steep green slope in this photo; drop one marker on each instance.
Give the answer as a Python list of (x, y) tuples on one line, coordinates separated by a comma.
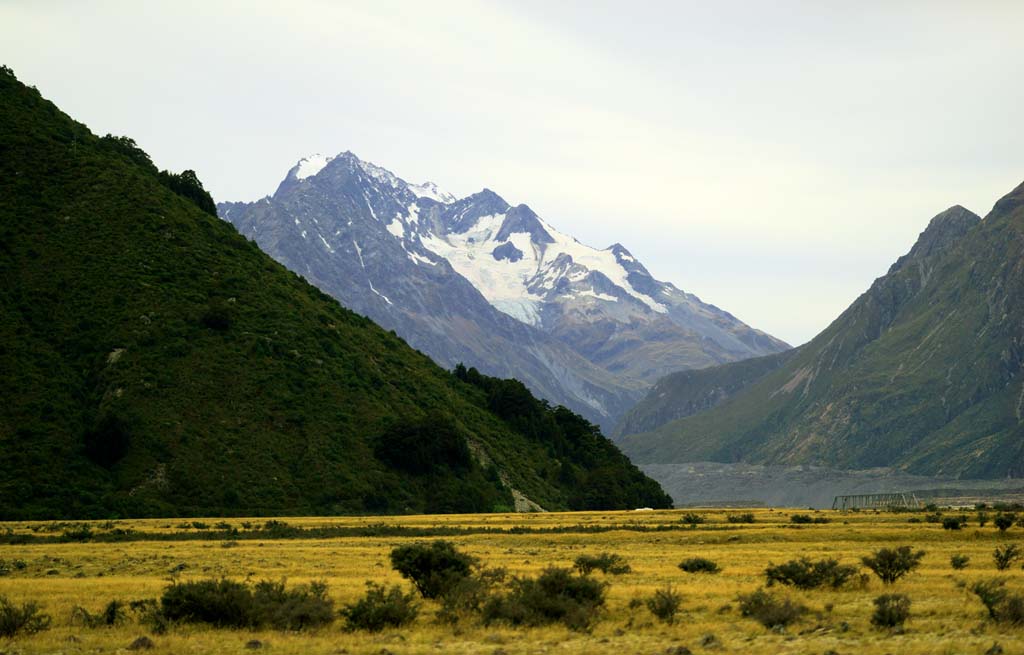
[(154, 362), (686, 393), (922, 372)]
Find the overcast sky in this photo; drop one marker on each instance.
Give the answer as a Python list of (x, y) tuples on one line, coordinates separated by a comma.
[(771, 157)]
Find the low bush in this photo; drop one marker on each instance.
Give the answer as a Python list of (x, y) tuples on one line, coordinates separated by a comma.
[(664, 604), (805, 519), (891, 611), (434, 568), (229, 604), (608, 563), (468, 596), (693, 519), (1004, 521), (1005, 556), (298, 608), (380, 608), (769, 610), (699, 565), (223, 603), (9, 567), (891, 564), (27, 619), (806, 574), (746, 517), (555, 596), (1002, 606), (959, 561), (954, 522), (115, 613)]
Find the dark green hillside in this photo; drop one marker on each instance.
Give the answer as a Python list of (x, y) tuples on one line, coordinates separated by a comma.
[(685, 393), (154, 362), (923, 372)]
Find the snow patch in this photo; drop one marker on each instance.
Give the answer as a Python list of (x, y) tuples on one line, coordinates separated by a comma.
[(431, 190), (310, 166), (590, 293), (418, 258), (396, 227)]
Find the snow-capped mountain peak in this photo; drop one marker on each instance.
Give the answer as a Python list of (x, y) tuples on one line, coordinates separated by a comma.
[(431, 190), (310, 166), (479, 280)]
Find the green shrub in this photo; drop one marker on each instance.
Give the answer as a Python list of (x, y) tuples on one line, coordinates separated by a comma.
[(298, 608), (468, 596), (1006, 555), (805, 574), (959, 561), (769, 610), (891, 564), (223, 603), (555, 596), (1004, 521), (699, 565), (746, 517), (891, 611), (1002, 606), (804, 519), (982, 518), (228, 604), (607, 563), (693, 519), (27, 619), (954, 522), (380, 608), (664, 604), (434, 568), (115, 613)]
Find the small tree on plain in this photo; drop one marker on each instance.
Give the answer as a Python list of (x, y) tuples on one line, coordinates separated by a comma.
[(891, 564)]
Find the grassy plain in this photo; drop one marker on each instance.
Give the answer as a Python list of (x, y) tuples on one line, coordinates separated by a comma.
[(945, 617)]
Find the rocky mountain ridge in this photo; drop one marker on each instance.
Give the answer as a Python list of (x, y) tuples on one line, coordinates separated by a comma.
[(480, 281)]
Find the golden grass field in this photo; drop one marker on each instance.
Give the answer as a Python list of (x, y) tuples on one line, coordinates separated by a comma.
[(945, 618)]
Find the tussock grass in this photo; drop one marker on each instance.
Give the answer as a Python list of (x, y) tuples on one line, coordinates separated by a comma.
[(946, 617)]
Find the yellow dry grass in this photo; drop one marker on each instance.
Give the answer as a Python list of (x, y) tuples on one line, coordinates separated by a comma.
[(945, 617)]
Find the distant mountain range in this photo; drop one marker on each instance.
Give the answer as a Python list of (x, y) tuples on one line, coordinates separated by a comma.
[(495, 286), (922, 373), (156, 363)]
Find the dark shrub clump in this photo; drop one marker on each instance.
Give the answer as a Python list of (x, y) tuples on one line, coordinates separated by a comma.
[(555, 596), (27, 619), (434, 568), (959, 561), (693, 519), (1002, 606), (699, 565), (468, 596), (1004, 521), (664, 604), (115, 613), (1006, 555), (805, 574), (746, 517), (954, 522), (891, 564), (229, 604), (605, 563), (769, 610), (891, 611), (380, 608), (805, 519)]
